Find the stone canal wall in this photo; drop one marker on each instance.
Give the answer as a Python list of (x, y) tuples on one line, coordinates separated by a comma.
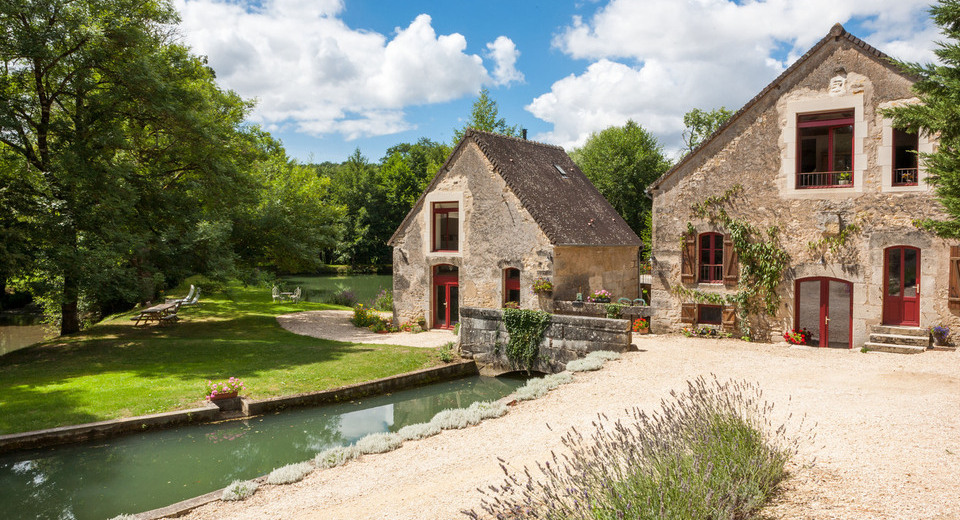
[(484, 337)]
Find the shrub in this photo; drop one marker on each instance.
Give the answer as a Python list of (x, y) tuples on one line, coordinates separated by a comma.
[(536, 388), (239, 490), (342, 296), (446, 351), (336, 456), (606, 355), (613, 310), (585, 364), (940, 334), (487, 409), (383, 301), (290, 473), (419, 431), (379, 443), (710, 452), (363, 316)]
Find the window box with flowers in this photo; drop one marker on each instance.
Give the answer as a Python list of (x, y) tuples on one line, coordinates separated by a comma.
[(225, 394), (542, 286), (601, 296)]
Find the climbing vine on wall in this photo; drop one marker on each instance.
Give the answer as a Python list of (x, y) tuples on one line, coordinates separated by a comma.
[(526, 328), (762, 260)]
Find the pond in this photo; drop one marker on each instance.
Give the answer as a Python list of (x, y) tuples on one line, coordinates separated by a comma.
[(20, 330), (145, 471), (320, 288)]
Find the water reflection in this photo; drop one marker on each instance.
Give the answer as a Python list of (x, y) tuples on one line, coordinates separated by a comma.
[(155, 469), (20, 330)]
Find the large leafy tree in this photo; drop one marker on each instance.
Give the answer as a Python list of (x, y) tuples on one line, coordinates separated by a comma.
[(938, 87), (701, 124), (123, 137), (622, 161), (485, 115)]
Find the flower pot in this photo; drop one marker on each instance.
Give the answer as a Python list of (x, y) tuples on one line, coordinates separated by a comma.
[(645, 330)]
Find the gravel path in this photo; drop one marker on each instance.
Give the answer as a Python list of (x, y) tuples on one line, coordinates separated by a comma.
[(887, 442), (336, 325)]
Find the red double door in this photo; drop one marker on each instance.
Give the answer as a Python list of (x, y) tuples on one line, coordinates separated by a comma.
[(825, 308), (901, 295)]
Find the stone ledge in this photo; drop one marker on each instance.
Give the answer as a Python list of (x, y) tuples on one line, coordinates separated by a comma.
[(102, 429)]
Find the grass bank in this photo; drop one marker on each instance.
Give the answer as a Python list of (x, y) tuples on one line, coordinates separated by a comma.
[(117, 370)]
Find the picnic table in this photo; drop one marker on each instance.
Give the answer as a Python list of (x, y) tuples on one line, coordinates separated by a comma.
[(162, 313)]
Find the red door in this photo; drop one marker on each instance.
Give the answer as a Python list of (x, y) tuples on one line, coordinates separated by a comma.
[(446, 296), (825, 308), (901, 294)]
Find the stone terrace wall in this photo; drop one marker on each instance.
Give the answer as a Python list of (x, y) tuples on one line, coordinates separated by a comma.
[(567, 338)]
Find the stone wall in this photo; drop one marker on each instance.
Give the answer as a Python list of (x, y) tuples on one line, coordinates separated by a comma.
[(496, 233), (590, 268), (755, 152), (483, 337)]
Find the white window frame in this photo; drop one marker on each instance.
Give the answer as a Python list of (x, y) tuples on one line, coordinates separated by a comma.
[(429, 200), (885, 160)]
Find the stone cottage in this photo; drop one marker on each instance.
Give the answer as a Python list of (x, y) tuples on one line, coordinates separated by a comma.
[(499, 214), (812, 157)]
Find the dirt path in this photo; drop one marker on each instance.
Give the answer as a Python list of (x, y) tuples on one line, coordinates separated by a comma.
[(887, 443), (336, 325)]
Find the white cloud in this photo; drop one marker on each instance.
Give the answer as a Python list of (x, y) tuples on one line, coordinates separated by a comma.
[(655, 60), (310, 71), (504, 54)]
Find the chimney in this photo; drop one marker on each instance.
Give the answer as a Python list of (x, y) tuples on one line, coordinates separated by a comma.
[(523, 133)]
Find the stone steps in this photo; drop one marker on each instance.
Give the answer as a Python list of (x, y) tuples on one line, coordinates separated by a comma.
[(898, 340)]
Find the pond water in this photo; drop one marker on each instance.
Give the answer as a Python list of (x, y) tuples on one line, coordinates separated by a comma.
[(320, 288), (145, 471), (20, 330)]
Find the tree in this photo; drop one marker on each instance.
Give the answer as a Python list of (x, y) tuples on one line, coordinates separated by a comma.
[(938, 116), (124, 136), (701, 124), (484, 116), (621, 162)]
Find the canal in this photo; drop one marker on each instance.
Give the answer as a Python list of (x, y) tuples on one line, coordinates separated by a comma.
[(136, 473)]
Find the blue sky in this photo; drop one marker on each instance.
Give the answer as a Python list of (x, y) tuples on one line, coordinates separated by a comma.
[(334, 75)]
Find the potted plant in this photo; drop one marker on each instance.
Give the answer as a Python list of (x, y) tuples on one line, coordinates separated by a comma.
[(797, 336), (225, 394), (601, 296), (641, 326), (844, 178), (542, 286), (941, 335)]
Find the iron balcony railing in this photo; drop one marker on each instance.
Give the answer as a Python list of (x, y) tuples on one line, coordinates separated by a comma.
[(905, 177), (842, 179), (711, 273)]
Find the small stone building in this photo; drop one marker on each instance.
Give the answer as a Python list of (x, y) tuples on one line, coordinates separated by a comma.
[(813, 157), (499, 214)]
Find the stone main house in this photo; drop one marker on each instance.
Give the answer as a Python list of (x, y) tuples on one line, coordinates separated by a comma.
[(499, 214), (813, 156)]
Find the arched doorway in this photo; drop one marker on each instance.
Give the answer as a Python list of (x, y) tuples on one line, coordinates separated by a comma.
[(824, 306), (901, 286), (446, 296)]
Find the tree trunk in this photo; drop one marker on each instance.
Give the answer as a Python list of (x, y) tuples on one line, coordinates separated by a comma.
[(69, 311)]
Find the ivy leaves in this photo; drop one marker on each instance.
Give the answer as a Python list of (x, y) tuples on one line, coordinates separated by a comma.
[(526, 328)]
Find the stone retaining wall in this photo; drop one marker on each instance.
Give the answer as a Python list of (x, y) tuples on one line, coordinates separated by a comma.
[(484, 337)]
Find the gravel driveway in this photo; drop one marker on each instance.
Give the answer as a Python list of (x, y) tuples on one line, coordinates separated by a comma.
[(887, 442), (336, 325)]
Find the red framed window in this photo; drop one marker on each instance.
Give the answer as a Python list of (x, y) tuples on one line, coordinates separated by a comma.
[(825, 150), (711, 258), (446, 226), (709, 314), (905, 156), (511, 285)]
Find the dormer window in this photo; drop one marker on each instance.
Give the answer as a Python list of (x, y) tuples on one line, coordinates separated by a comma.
[(825, 149), (446, 226)]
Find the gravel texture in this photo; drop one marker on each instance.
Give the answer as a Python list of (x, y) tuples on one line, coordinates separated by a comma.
[(336, 325), (887, 443)]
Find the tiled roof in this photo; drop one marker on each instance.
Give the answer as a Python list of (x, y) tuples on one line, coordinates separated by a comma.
[(562, 201), (837, 32)]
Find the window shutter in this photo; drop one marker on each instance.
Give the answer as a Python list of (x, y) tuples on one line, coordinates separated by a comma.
[(953, 296), (688, 313), (688, 259), (729, 318), (731, 264)]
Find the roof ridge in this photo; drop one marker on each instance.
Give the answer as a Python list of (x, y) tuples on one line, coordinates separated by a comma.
[(475, 132)]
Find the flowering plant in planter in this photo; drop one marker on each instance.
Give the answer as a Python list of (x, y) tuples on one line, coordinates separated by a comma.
[(542, 285), (601, 296), (223, 389), (940, 334), (511, 305), (797, 336), (640, 324)]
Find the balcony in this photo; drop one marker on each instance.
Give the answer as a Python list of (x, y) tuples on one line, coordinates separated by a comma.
[(905, 177), (841, 179)]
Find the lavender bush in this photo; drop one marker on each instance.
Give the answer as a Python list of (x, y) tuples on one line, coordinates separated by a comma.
[(710, 452)]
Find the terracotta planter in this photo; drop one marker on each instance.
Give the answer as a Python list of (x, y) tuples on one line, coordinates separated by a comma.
[(645, 330)]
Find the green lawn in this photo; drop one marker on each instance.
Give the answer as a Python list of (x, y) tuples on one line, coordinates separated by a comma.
[(116, 370)]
